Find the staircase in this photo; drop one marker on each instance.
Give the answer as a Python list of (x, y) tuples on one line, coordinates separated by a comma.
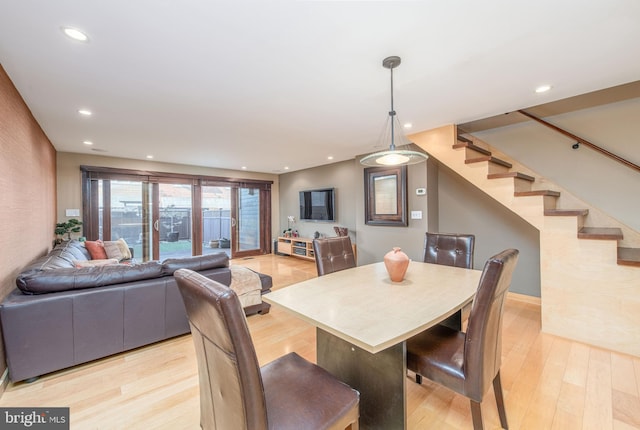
[(590, 262)]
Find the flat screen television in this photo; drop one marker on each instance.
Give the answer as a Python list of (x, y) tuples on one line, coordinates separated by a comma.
[(318, 205)]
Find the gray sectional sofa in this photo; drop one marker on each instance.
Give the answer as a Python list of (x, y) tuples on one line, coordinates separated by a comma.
[(60, 316)]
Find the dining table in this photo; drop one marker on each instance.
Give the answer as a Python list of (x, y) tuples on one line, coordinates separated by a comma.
[(363, 320)]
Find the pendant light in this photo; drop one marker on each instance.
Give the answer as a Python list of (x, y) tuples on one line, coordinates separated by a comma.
[(393, 157)]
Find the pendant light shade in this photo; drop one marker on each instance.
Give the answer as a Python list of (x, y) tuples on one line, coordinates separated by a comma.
[(393, 156)]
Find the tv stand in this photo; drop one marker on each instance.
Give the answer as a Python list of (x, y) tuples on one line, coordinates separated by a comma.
[(300, 247)]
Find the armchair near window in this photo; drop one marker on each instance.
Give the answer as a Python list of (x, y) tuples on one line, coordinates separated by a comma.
[(468, 363), (235, 393)]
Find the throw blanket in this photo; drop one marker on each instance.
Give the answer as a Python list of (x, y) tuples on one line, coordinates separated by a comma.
[(246, 284)]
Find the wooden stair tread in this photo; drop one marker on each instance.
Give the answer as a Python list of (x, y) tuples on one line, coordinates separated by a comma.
[(566, 212), (472, 146), (537, 193), (629, 256), (601, 233), (490, 159), (515, 175)]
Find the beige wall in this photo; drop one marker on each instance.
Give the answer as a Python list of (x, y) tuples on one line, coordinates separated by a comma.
[(69, 178), (451, 205), (348, 179), (340, 176), (465, 209), (28, 187), (375, 241)]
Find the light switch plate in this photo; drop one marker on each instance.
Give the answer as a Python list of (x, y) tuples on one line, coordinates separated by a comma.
[(421, 191), (416, 214), (72, 212)]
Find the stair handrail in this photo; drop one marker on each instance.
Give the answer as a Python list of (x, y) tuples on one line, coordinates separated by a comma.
[(582, 141)]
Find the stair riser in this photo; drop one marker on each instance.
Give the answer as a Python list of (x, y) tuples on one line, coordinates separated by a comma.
[(497, 168), (531, 208), (550, 202), (520, 185), (472, 153)]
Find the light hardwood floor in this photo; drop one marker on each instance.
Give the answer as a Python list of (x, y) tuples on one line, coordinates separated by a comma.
[(549, 382)]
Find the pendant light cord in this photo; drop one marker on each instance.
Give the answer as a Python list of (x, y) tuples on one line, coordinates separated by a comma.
[(392, 114)]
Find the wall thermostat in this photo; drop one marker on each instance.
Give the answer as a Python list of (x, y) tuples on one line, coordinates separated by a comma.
[(421, 191)]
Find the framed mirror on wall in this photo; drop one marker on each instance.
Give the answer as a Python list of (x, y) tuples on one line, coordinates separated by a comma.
[(385, 196)]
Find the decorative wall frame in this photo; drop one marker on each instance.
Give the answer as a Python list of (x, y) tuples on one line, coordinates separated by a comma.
[(385, 196)]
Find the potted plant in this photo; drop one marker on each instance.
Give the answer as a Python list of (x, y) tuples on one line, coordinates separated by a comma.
[(291, 220), (62, 228)]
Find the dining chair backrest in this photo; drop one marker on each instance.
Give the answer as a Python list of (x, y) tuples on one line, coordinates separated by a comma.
[(483, 339), (235, 392), (449, 249), (231, 388), (333, 254)]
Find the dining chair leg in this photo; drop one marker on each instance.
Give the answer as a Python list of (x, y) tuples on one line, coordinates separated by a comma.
[(497, 389), (476, 415)]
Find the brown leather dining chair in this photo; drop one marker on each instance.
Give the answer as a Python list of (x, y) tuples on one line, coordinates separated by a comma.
[(449, 249), (235, 393), (333, 254), (468, 363)]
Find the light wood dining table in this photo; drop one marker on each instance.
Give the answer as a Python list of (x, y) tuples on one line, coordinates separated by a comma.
[(363, 319)]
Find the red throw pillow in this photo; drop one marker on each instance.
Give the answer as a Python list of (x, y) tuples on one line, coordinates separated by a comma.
[(96, 249)]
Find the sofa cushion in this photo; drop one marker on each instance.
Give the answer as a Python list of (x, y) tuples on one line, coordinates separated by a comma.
[(89, 263), (96, 249), (48, 281), (71, 250), (197, 263), (117, 249)]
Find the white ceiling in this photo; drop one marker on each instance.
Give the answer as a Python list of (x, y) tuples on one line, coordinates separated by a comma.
[(269, 84)]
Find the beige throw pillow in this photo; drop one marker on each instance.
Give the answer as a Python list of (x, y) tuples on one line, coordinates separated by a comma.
[(124, 248), (117, 249)]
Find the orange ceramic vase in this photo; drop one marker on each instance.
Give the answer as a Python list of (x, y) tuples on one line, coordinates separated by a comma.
[(396, 263)]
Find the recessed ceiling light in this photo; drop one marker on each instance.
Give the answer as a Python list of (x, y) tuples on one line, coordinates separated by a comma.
[(87, 142), (149, 157), (543, 88), (75, 34), (85, 112), (286, 167), (244, 167), (330, 157), (408, 125)]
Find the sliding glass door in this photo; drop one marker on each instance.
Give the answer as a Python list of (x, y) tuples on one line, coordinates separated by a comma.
[(121, 213), (164, 216), (247, 221), (216, 219), (173, 218), (231, 220)]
